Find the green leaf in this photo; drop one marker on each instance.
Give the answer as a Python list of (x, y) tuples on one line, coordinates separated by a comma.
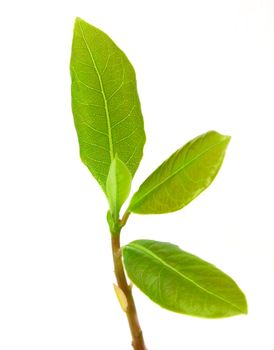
[(182, 177), (182, 282), (105, 103), (117, 186), (113, 225)]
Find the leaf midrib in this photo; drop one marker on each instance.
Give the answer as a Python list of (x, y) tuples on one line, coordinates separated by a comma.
[(157, 258), (175, 173), (103, 94)]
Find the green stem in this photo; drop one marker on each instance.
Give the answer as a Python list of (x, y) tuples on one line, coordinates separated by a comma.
[(124, 219), (134, 325)]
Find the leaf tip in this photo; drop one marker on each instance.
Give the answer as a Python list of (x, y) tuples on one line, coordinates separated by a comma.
[(77, 20), (228, 138)]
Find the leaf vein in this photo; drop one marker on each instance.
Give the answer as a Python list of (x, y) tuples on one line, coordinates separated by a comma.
[(126, 137), (96, 130), (123, 119)]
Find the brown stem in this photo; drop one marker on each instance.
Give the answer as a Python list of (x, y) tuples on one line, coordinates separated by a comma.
[(136, 332)]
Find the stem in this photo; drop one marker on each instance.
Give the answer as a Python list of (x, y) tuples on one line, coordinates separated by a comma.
[(134, 325)]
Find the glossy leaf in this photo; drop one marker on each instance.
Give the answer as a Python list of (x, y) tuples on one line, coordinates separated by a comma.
[(105, 103), (182, 177), (182, 282), (117, 186)]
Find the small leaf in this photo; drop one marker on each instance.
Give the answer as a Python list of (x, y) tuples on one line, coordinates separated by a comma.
[(182, 282), (182, 177), (121, 297), (105, 104), (114, 226), (117, 186)]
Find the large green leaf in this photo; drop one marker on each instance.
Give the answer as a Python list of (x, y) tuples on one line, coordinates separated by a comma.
[(117, 186), (105, 103), (182, 282), (182, 177)]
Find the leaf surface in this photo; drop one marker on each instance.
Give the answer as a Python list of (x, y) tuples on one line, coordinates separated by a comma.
[(105, 102), (182, 177), (182, 282), (117, 186)]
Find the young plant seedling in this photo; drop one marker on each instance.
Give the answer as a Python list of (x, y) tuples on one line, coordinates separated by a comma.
[(110, 128)]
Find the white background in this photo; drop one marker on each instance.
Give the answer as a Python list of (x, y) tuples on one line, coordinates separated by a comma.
[(200, 65)]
